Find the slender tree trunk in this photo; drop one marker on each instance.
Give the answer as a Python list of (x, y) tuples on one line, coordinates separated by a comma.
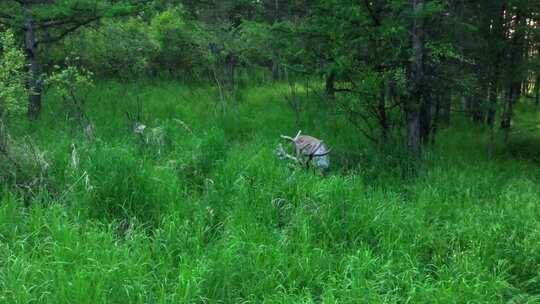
[(232, 72), (277, 11), (506, 121), (276, 70), (446, 108), (491, 114), (416, 81), (467, 105), (485, 100), (231, 75), (492, 103), (478, 113), (425, 116), (497, 34), (383, 119), (517, 49), (330, 89), (413, 134), (493, 92), (276, 73), (34, 106), (436, 119)]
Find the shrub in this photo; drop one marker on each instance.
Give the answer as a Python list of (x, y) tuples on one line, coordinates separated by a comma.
[(13, 76), (174, 37), (21, 165), (128, 56), (72, 85)]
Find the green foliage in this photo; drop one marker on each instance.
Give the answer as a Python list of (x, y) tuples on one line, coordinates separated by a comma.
[(444, 51), (129, 56), (259, 37), (72, 85), (23, 167), (174, 36), (71, 81), (13, 76), (197, 208)]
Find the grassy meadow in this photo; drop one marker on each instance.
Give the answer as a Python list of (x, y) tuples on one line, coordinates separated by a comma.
[(202, 211)]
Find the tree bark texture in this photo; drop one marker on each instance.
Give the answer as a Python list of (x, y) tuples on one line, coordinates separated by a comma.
[(425, 116), (34, 106), (416, 81)]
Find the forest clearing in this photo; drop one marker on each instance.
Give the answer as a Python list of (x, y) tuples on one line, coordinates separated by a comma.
[(148, 151)]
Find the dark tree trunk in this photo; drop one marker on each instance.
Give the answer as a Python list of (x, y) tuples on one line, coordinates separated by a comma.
[(492, 111), (34, 106), (413, 134), (493, 87), (231, 71), (446, 108), (276, 75), (497, 33), (516, 55), (478, 113), (506, 120), (330, 89), (231, 62), (436, 119), (492, 103), (416, 81), (466, 102), (276, 71), (277, 11), (425, 116)]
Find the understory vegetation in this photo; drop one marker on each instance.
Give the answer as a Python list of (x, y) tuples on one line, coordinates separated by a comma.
[(269, 151), (201, 210)]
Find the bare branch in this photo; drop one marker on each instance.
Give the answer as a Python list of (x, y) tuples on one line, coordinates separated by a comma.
[(343, 90), (67, 31), (76, 24), (53, 23)]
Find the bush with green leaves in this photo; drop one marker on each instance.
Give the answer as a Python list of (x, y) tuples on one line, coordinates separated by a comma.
[(119, 48), (21, 164), (13, 76), (174, 36), (72, 85)]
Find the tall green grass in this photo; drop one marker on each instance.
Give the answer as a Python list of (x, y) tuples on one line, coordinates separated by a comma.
[(205, 213)]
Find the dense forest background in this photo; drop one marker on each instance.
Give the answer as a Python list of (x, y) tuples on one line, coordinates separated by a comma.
[(137, 151)]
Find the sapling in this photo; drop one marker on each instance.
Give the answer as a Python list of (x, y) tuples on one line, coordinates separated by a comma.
[(72, 85)]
